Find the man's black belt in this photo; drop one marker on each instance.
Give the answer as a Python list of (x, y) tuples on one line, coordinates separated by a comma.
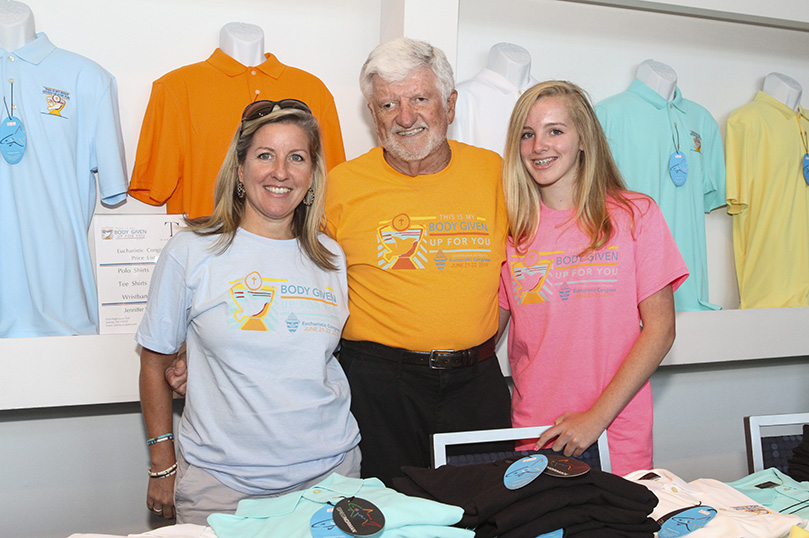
[(437, 359)]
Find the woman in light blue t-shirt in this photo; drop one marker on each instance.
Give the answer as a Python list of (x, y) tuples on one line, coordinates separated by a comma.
[(259, 295)]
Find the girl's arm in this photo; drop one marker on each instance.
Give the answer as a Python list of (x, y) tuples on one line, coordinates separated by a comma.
[(575, 432)]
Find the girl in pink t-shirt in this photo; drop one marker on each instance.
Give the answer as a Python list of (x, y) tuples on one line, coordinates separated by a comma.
[(588, 283)]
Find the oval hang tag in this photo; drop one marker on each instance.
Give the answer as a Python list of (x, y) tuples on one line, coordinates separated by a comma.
[(565, 467), (12, 139), (806, 168), (523, 471), (358, 517), (322, 525), (684, 522), (678, 168)]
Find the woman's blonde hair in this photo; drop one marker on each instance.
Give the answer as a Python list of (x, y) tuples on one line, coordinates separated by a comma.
[(598, 183), (307, 221)]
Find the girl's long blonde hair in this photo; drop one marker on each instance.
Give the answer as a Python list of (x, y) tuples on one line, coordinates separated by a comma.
[(598, 183)]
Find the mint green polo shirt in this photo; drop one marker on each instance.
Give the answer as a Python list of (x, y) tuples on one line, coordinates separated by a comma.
[(290, 515), (643, 130)]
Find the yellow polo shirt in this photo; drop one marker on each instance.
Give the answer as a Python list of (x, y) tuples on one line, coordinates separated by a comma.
[(769, 200)]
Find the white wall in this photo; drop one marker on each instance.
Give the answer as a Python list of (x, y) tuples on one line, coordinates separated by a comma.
[(82, 469)]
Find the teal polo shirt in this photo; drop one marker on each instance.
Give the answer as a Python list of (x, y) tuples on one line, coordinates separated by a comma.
[(643, 131), (777, 491), (291, 515)]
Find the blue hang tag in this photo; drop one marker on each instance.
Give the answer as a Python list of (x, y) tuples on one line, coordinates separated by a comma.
[(806, 168), (523, 471), (322, 524), (559, 533), (12, 139), (684, 522), (678, 168)]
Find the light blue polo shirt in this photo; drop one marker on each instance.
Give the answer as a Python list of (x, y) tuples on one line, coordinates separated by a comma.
[(290, 515), (643, 130), (776, 490), (68, 105)]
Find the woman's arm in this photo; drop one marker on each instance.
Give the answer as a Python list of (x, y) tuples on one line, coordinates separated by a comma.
[(574, 432), (155, 401)]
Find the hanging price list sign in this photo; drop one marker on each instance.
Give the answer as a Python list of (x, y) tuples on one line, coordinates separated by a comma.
[(126, 248)]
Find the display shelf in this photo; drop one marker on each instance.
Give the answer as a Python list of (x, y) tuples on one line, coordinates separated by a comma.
[(788, 14), (734, 335), (68, 370)]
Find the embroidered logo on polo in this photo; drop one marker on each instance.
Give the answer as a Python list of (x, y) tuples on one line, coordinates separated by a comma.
[(55, 101), (538, 276), (697, 141), (756, 509), (261, 304), (444, 241)]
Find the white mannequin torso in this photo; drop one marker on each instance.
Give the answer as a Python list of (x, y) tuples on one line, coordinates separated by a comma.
[(16, 25), (785, 89), (511, 61), (243, 42), (659, 77)]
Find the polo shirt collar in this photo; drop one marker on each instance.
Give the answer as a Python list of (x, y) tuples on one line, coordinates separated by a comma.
[(226, 64), (332, 487), (35, 51), (779, 106), (655, 99)]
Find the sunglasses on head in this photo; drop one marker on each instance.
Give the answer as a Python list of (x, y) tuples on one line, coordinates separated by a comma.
[(259, 109)]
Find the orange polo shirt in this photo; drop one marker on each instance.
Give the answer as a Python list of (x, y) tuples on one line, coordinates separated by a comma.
[(192, 115)]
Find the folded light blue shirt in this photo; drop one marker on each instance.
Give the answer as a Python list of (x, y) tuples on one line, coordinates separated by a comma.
[(290, 515), (777, 491)]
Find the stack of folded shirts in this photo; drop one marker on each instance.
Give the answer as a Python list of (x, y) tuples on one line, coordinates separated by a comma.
[(798, 464), (735, 514), (595, 504)]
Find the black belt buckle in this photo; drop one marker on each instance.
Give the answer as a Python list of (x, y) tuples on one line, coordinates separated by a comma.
[(440, 359)]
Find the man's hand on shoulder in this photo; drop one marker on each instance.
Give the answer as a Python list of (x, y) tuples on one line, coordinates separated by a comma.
[(177, 372)]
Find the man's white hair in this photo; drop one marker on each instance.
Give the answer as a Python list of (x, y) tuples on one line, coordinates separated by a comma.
[(395, 60)]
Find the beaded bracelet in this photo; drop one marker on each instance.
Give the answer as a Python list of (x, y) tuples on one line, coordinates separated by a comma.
[(159, 438), (165, 473)]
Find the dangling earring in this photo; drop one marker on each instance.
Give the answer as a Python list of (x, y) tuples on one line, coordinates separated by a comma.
[(310, 197), (240, 190)]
